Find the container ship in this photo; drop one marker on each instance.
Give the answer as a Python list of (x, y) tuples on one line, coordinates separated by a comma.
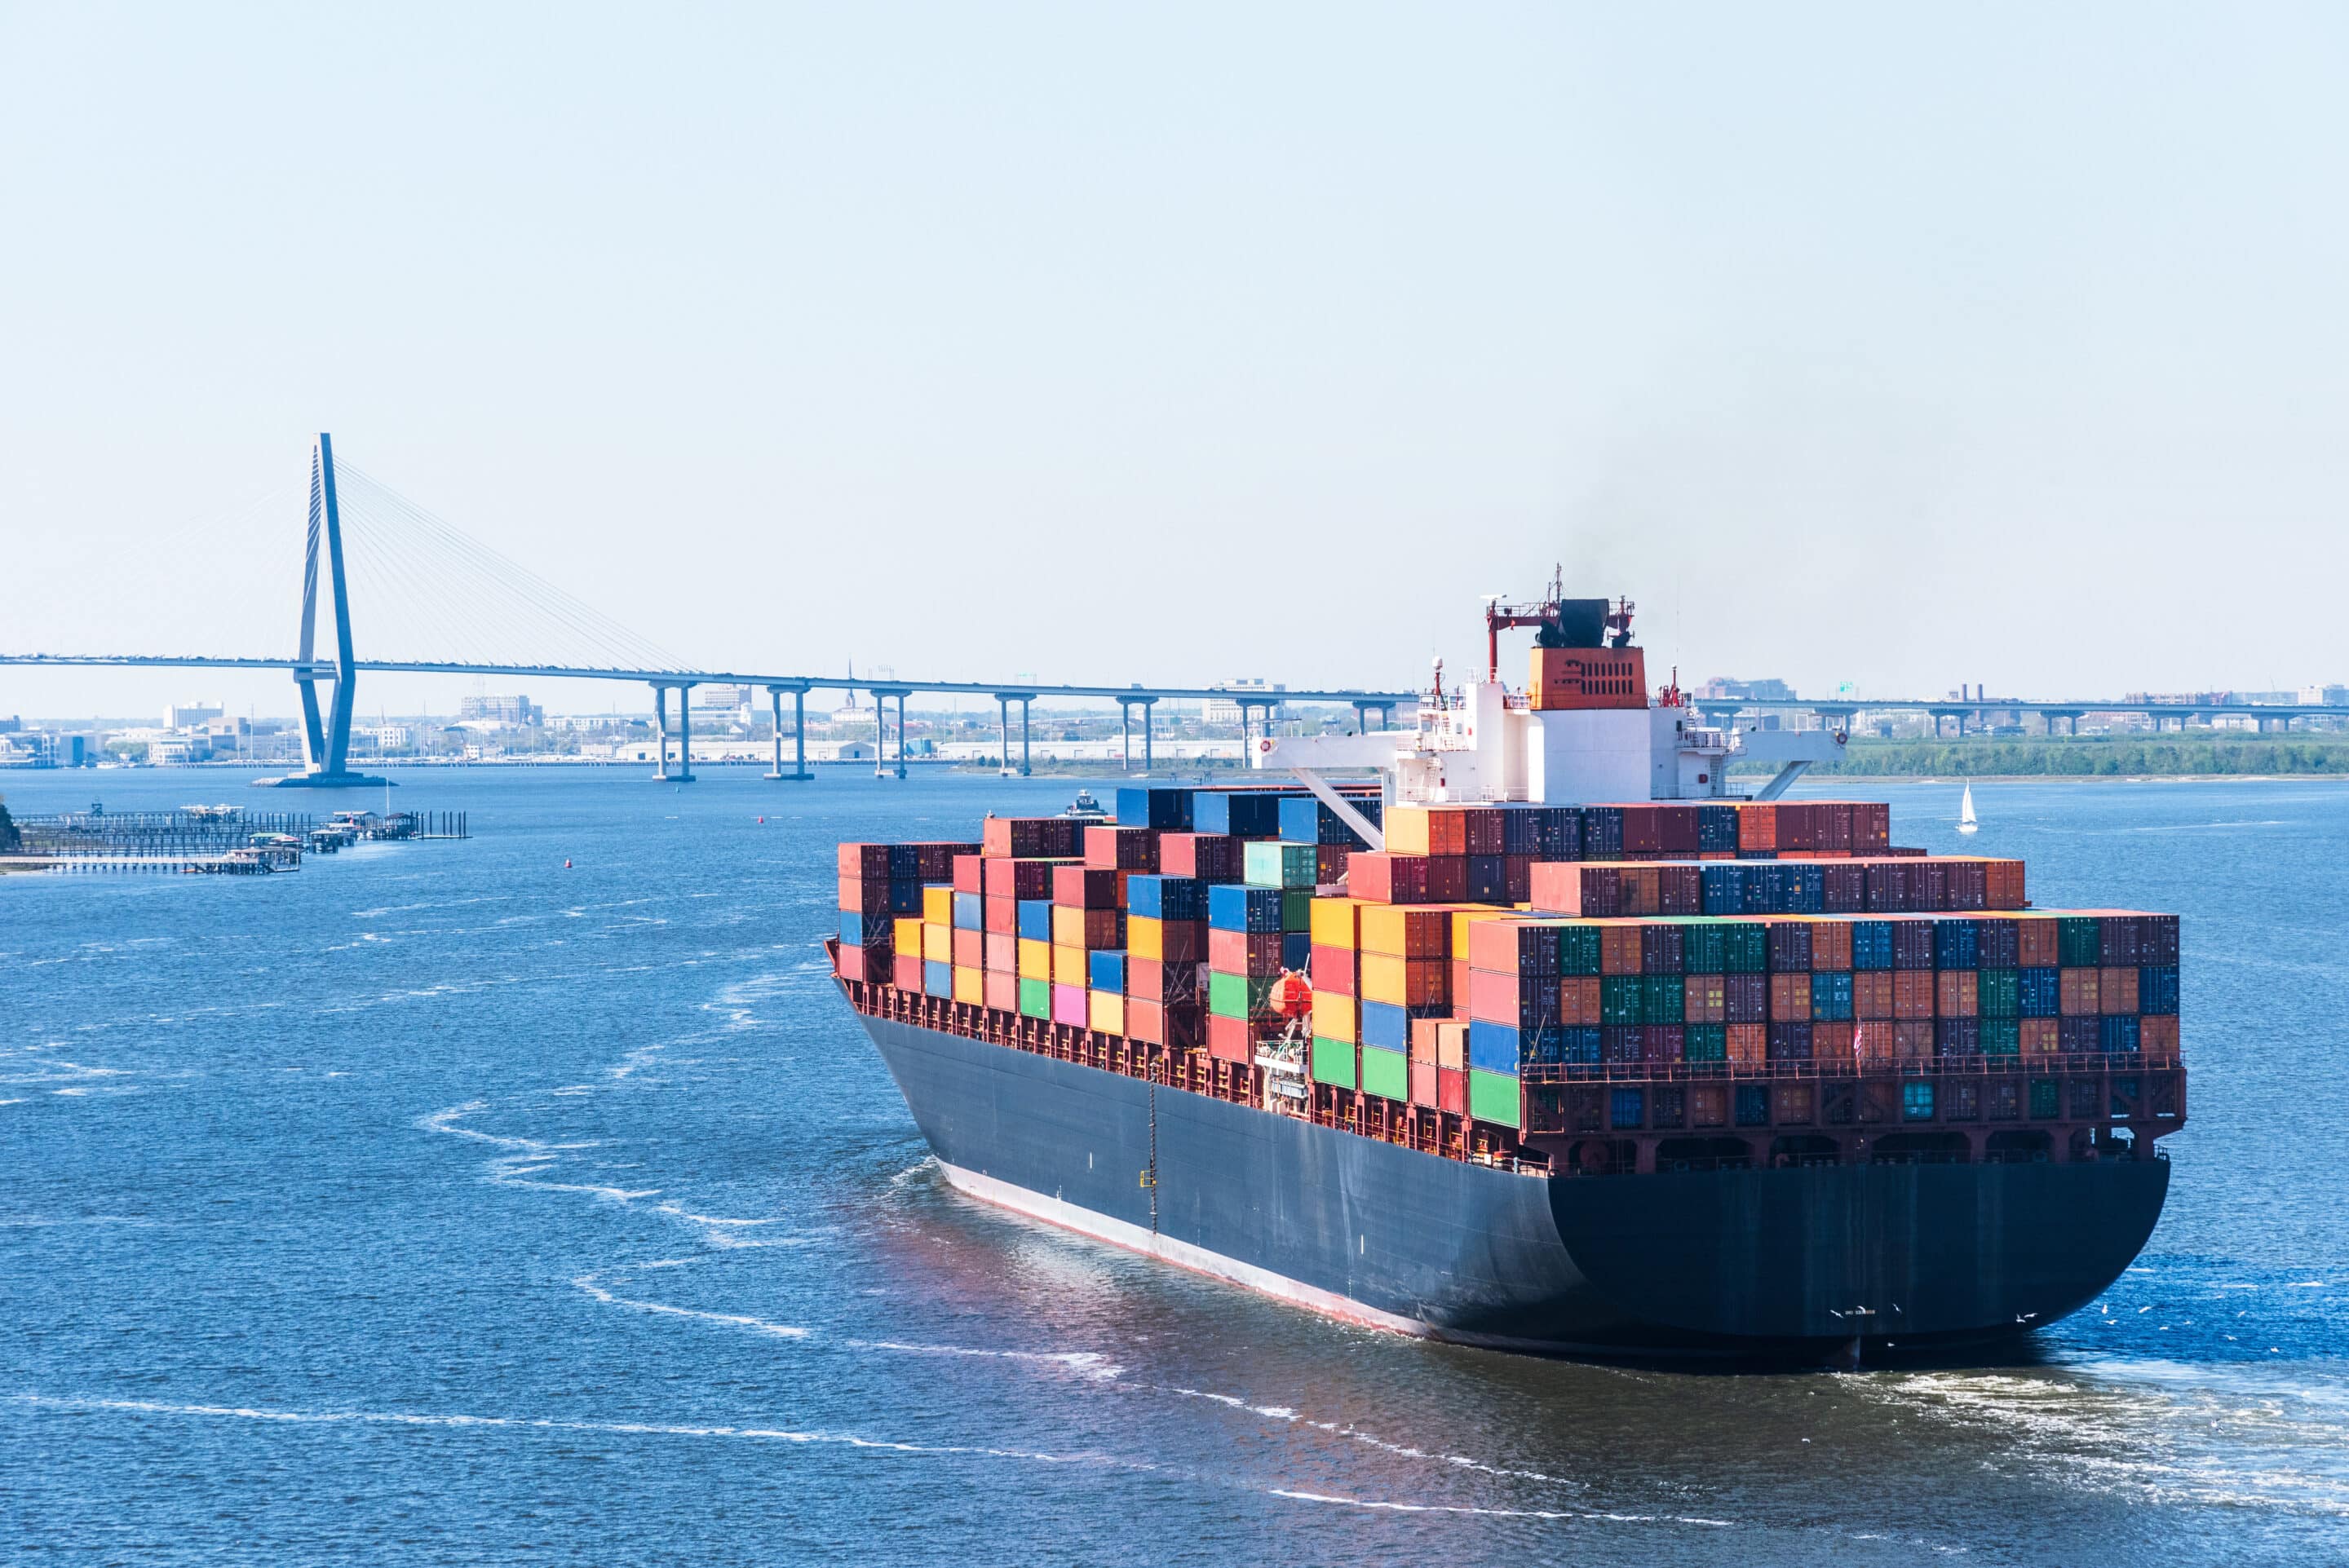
[(1514, 1026)]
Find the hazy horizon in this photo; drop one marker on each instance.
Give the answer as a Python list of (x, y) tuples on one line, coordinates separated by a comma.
[(1900, 350)]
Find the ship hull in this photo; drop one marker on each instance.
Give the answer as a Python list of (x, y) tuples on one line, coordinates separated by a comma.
[(1738, 1264)]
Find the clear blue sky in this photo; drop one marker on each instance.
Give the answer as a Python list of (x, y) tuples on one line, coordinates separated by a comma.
[(1115, 343)]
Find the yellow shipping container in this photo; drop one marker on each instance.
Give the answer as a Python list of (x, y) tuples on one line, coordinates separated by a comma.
[(1035, 959), (1335, 923), (970, 984), (1068, 927), (1145, 937), (1405, 931), (1380, 978), (1070, 965), (908, 930), (1405, 830), (1106, 1011), (937, 943), (1462, 919), (937, 904), (1333, 1016)]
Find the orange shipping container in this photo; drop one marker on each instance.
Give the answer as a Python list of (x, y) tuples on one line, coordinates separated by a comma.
[(1426, 831), (1749, 1042), (2035, 941), (2003, 881), (2157, 1036), (1830, 943), (1957, 993), (1913, 1038), (1790, 999), (1618, 950), (1871, 994), (1707, 999), (1757, 826), (2040, 1036), (2076, 993), (1912, 994), (1872, 1040), (1402, 931), (2116, 990), (1831, 1042), (1578, 1000)]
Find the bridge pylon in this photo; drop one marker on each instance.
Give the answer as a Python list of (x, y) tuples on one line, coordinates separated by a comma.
[(326, 738)]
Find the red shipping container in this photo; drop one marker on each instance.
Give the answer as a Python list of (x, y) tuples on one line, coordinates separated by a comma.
[(1423, 1083), (1002, 954), (1830, 944), (1757, 827), (967, 873), (1871, 826), (1957, 993), (2002, 885), (1679, 889), (1517, 878), (2116, 990), (1969, 886), (2036, 943), (1087, 887), (863, 863), (1209, 857), (1790, 999), (1913, 1038), (1641, 832), (1146, 1021), (1912, 995), (1121, 849), (1618, 950), (1384, 877), (1230, 1039), (906, 971), (971, 950), (1502, 998), (1330, 863), (1239, 953), (1831, 1042), (1676, 830), (2156, 1034), (1002, 991), (868, 965), (1574, 888), (1871, 994), (1000, 915), (1332, 969), (1749, 1042), (1022, 837), (1018, 879), (1183, 941), (1451, 1090), (1871, 1041)]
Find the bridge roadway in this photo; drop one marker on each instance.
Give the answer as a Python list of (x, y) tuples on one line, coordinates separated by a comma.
[(1128, 698)]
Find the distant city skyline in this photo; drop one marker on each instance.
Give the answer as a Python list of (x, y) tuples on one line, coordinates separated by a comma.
[(1896, 349)]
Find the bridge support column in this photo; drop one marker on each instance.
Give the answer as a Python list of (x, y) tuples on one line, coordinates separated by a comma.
[(685, 734), (1147, 763), (901, 735), (1024, 703), (1125, 735), (660, 725), (799, 733)]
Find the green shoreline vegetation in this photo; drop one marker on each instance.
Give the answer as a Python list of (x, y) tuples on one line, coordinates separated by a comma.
[(2095, 757)]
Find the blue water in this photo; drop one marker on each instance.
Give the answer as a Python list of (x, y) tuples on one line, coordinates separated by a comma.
[(441, 1204)]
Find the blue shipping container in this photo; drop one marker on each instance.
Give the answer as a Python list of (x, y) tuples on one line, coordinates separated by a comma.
[(1306, 820), (1296, 950), (1036, 919), (969, 912), (2156, 988), (937, 979), (1105, 970), (2039, 993), (1492, 1047), (1166, 898), (1956, 945), (1234, 906), (1169, 810), (1245, 813), (1872, 945), (1831, 995)]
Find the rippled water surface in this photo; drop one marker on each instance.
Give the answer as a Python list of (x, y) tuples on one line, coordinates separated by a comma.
[(440, 1204)]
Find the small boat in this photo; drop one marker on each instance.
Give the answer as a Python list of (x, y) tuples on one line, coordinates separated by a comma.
[(1086, 808), (1966, 823)]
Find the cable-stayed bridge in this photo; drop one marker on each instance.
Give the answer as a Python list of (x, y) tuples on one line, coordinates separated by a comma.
[(473, 602)]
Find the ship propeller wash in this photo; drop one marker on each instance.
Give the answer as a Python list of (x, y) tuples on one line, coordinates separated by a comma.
[(1518, 1026)]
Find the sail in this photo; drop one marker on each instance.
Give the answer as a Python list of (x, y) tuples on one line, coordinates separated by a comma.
[(1966, 809)]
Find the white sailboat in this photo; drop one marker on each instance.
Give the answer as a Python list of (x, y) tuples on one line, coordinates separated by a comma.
[(1966, 823)]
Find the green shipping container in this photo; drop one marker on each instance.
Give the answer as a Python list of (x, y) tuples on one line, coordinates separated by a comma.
[(2001, 993), (1036, 998), (1296, 906), (2079, 942), (1333, 1062), (1493, 1097), (1704, 948), (1270, 863), (1744, 948), (1238, 996), (2001, 1037), (1386, 1073), (1706, 1043), (1664, 999), (1620, 999), (1577, 949)]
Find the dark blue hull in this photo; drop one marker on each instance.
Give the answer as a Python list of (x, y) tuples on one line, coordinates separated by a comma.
[(1733, 1262)]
